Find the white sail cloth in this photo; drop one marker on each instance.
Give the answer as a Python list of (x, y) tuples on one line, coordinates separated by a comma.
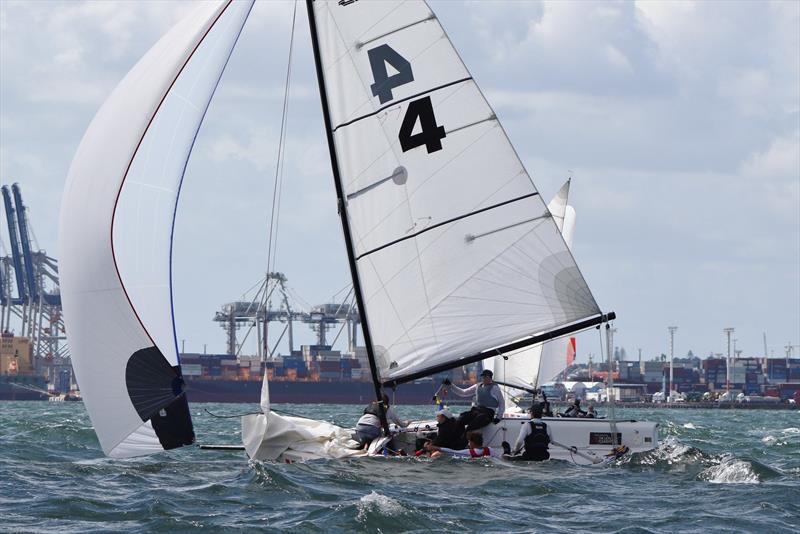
[(539, 363), (271, 436), (116, 234), (455, 250)]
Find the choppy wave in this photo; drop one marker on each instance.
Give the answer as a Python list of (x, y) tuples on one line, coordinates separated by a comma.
[(378, 504), (673, 456), (53, 477)]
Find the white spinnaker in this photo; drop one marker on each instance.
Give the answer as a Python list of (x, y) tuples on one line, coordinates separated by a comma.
[(115, 233), (539, 363), (456, 252)]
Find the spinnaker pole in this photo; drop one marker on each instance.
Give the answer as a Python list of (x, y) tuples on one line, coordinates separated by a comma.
[(342, 201)]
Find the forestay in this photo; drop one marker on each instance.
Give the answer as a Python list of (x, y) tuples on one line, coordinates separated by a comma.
[(455, 250), (116, 234)]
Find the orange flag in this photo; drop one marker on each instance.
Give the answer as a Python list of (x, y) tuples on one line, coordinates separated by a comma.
[(571, 351)]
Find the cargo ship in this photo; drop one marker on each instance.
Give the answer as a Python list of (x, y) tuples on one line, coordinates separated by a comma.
[(18, 378), (315, 374)]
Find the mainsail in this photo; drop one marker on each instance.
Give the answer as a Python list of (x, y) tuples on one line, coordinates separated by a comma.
[(455, 256), (115, 240)]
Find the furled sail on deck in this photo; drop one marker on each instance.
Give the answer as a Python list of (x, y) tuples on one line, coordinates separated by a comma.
[(115, 238), (532, 366), (455, 250)]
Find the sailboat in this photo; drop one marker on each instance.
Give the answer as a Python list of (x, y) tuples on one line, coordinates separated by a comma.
[(454, 256)]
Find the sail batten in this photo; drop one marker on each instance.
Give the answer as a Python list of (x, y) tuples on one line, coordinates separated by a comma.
[(453, 246)]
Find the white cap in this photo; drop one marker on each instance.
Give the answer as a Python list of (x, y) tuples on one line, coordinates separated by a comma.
[(445, 412)]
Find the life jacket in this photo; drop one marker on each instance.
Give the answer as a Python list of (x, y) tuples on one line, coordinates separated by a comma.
[(538, 438), (474, 453), (373, 409), (484, 397)]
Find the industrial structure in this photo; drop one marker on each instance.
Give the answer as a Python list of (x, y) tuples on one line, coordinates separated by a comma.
[(259, 314), (30, 309)]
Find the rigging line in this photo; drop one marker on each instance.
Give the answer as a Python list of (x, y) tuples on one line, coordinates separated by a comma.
[(396, 102), (281, 143), (448, 221), (279, 412), (341, 328), (348, 286)]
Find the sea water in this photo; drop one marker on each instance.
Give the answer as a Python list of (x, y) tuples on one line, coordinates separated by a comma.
[(715, 471)]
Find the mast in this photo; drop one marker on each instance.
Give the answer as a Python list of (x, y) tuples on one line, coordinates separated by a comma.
[(342, 204)]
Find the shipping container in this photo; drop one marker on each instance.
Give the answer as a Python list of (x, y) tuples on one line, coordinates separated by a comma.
[(192, 369)]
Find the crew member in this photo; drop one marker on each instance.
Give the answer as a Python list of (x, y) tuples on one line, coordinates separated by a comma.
[(534, 437), (369, 425), (574, 409), (449, 433), (475, 449), (488, 404), (547, 411)]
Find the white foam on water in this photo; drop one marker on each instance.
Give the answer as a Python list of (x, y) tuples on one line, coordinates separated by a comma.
[(769, 440), (730, 471), (690, 426), (791, 430), (378, 503)]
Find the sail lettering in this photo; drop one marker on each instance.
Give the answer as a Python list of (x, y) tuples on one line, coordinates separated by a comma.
[(379, 57), (431, 134)]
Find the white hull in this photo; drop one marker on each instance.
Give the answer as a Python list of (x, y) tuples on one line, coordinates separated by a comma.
[(275, 437), (582, 441)]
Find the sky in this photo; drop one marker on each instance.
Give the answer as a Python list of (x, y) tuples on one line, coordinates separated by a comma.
[(678, 122)]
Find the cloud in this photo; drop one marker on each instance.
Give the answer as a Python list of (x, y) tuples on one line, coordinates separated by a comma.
[(678, 120)]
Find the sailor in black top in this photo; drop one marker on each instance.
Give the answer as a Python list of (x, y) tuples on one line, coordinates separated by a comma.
[(534, 436)]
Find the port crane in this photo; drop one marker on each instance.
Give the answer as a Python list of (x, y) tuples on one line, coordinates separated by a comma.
[(258, 314), (30, 299)]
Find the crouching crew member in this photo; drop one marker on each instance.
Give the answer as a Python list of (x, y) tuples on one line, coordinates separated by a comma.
[(369, 425)]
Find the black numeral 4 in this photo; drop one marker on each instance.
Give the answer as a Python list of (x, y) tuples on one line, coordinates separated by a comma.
[(431, 134), (379, 57)]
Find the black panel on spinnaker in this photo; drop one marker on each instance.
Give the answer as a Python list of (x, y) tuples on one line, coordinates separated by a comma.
[(156, 391), (174, 427)]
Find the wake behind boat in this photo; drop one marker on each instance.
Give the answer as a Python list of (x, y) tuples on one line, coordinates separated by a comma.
[(454, 256)]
